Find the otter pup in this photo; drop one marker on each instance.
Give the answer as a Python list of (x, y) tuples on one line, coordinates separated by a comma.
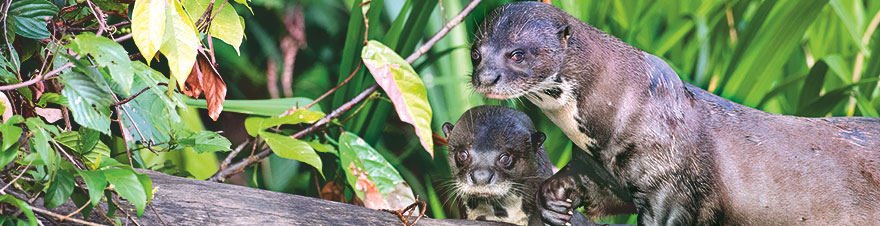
[(498, 162), (684, 155)]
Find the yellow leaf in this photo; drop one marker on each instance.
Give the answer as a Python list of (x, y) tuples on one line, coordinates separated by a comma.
[(179, 43), (148, 26), (226, 26)]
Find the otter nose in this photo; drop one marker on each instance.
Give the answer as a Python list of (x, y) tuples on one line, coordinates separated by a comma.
[(482, 176), (488, 79)]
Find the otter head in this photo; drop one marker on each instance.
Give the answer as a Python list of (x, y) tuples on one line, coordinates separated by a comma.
[(492, 151), (519, 50)]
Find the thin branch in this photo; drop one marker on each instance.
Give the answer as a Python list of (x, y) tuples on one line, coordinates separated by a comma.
[(62, 217), (440, 34), (5, 37), (3, 190), (126, 100), (122, 38), (38, 78), (102, 25), (232, 155), (334, 88), (222, 174)]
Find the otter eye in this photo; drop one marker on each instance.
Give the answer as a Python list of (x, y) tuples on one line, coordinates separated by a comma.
[(505, 160), (516, 56), (461, 157), (475, 56)]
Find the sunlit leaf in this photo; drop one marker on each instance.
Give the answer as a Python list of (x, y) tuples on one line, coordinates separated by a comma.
[(269, 107), (225, 25), (290, 148), (148, 26), (179, 43), (10, 133), (127, 185), (40, 142), (403, 86), (108, 53), (147, 183), (255, 125)]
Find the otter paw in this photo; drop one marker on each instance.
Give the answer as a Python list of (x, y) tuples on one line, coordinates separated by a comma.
[(558, 199)]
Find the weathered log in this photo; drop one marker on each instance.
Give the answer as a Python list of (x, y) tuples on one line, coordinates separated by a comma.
[(182, 201)]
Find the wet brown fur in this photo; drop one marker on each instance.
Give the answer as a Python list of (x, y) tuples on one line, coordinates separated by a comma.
[(684, 155)]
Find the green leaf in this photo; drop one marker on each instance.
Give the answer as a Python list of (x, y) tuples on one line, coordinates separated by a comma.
[(84, 92), (245, 3), (206, 141), (179, 43), (107, 53), (71, 140), (147, 76), (147, 183), (127, 185), (89, 139), (757, 61), (404, 87), (326, 148), (52, 98), (380, 170), (6, 156), (813, 83), (10, 132), (59, 189), (23, 206), (96, 182), (270, 107), (290, 148), (225, 25), (255, 125), (148, 26), (40, 142), (30, 17)]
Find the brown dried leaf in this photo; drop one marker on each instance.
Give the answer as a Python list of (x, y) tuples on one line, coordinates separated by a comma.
[(204, 78), (50, 114), (333, 192)]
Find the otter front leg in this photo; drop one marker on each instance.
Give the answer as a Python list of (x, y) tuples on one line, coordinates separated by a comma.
[(559, 196)]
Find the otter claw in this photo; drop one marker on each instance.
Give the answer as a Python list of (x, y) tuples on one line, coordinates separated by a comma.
[(568, 200)]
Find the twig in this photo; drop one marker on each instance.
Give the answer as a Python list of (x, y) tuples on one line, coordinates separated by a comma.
[(80, 209), (38, 78), (222, 174), (102, 25), (62, 217), (126, 100), (3, 190), (122, 38), (440, 34), (334, 88), (157, 214), (232, 154)]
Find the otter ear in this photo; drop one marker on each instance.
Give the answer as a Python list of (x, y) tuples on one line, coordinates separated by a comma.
[(564, 32), (447, 128), (538, 139)]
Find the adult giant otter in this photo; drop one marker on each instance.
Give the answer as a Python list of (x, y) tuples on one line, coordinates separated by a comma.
[(683, 155)]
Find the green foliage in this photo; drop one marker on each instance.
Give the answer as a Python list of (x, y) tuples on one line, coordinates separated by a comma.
[(29, 17)]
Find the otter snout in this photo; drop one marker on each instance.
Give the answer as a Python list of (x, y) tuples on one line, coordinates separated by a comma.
[(482, 177), (487, 79)]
